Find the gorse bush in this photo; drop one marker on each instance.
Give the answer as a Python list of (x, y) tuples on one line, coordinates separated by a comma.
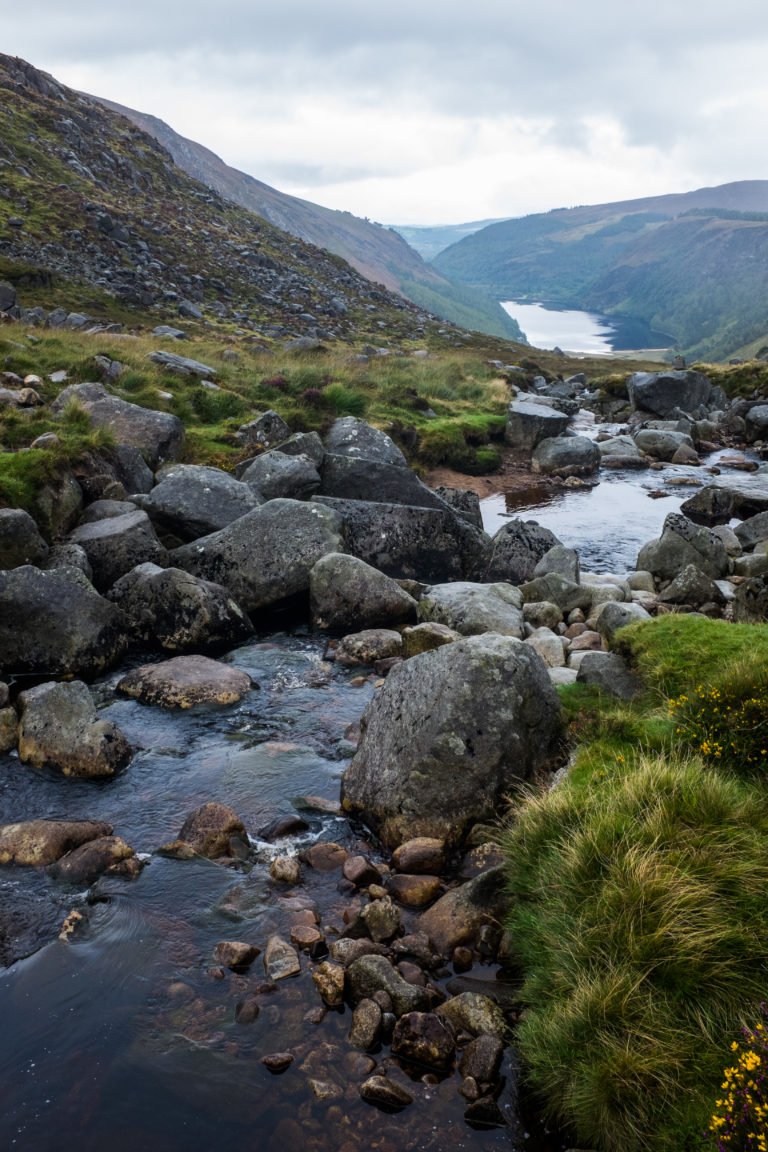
[(727, 722), (740, 1120)]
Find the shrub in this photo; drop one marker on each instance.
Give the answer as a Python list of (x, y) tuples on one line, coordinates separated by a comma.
[(344, 401), (727, 722), (311, 397), (640, 917), (740, 1122), (213, 407)]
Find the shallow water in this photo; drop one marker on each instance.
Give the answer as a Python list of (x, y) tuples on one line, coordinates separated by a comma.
[(590, 332)]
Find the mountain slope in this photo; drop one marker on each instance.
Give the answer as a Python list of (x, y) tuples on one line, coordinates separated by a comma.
[(379, 253), (430, 240), (691, 263)]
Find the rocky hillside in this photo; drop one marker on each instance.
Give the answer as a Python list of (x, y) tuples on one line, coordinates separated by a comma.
[(94, 215), (379, 253), (686, 264)]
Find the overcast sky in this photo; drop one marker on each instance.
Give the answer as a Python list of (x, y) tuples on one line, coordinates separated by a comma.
[(432, 111)]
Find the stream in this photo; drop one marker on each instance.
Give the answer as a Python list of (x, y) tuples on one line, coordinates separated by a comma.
[(121, 1037)]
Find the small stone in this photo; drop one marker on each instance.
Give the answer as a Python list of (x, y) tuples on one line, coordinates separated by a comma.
[(329, 981), (248, 1009), (382, 919), (414, 891), (325, 1089), (308, 939), (235, 954), (360, 871), (421, 855), (385, 1094), (277, 1062), (280, 959), (474, 1013), (469, 1089), (412, 973), (485, 1113), (481, 1059), (462, 959), (423, 1038), (325, 856), (365, 1030), (285, 870)]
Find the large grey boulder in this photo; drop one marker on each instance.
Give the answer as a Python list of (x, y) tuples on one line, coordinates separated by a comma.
[(116, 545), (691, 586), (566, 456), (349, 436), (448, 734), (401, 541), (20, 540), (610, 674), (59, 727), (750, 604), (351, 478), (266, 431), (175, 611), (275, 474), (52, 624), (612, 616), (757, 422), (618, 446), (710, 506), (662, 444), (463, 501), (751, 531), (159, 435), (192, 500), (472, 609), (681, 543), (303, 444), (515, 551), (662, 392), (561, 560), (267, 554), (346, 594), (529, 423), (182, 365)]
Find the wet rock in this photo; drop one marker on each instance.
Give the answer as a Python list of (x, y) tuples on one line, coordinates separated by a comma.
[(424, 854), (191, 500), (382, 920), (365, 1030), (427, 763), (283, 826), (346, 594), (349, 436), (474, 1013), (369, 646), (52, 625), (158, 434), (325, 856), (20, 540), (116, 545), (285, 870), (370, 974), (566, 456), (481, 1059), (472, 609), (280, 959), (98, 857), (360, 871), (186, 681), (59, 728), (385, 1094), (36, 843), (479, 859), (325, 1090), (277, 1062), (214, 830), (458, 917), (308, 939), (423, 1038), (170, 609), (347, 950), (275, 475), (329, 981), (9, 723), (235, 954), (414, 891), (484, 1113), (267, 554)]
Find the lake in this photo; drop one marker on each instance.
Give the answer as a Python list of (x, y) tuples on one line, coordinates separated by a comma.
[(548, 327)]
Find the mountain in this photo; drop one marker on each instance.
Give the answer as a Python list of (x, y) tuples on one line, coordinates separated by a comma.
[(381, 254), (429, 240), (95, 214), (692, 264)]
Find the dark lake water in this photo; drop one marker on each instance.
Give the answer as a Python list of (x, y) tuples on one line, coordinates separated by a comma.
[(548, 327)]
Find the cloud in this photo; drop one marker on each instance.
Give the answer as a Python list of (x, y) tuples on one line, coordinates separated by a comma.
[(439, 110)]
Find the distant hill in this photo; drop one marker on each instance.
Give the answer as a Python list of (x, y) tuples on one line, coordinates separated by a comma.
[(694, 264), (430, 240), (379, 253)]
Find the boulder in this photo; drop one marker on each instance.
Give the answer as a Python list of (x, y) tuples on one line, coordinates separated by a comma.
[(751, 531), (530, 423), (182, 365), (750, 604), (423, 1038), (549, 647), (370, 974), (542, 614), (106, 510), (214, 830), (609, 673), (281, 959), (384, 1093), (710, 506), (349, 436), (481, 1059), (471, 609), (346, 593), (475, 1013), (36, 843), (105, 856), (457, 918), (425, 637), (566, 594), (515, 551), (275, 475), (159, 435), (662, 444), (67, 556), (682, 542), (59, 728), (58, 503), (191, 500), (423, 854), (618, 446), (52, 625), (428, 763), (691, 586), (116, 545), (662, 392), (566, 456), (20, 540), (561, 560), (463, 501), (267, 554), (186, 681), (302, 444), (266, 431), (369, 646), (612, 616), (757, 422), (175, 611), (350, 478)]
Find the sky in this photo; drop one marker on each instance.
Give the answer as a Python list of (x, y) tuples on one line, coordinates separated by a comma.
[(432, 111)]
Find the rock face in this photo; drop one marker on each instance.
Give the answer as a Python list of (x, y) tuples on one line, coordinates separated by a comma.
[(186, 681), (191, 500), (566, 456), (116, 545), (159, 435), (662, 392), (172, 610), (59, 727), (472, 609), (349, 436), (430, 763), (346, 594), (267, 554), (51, 624), (516, 549), (36, 843), (20, 541), (528, 424)]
